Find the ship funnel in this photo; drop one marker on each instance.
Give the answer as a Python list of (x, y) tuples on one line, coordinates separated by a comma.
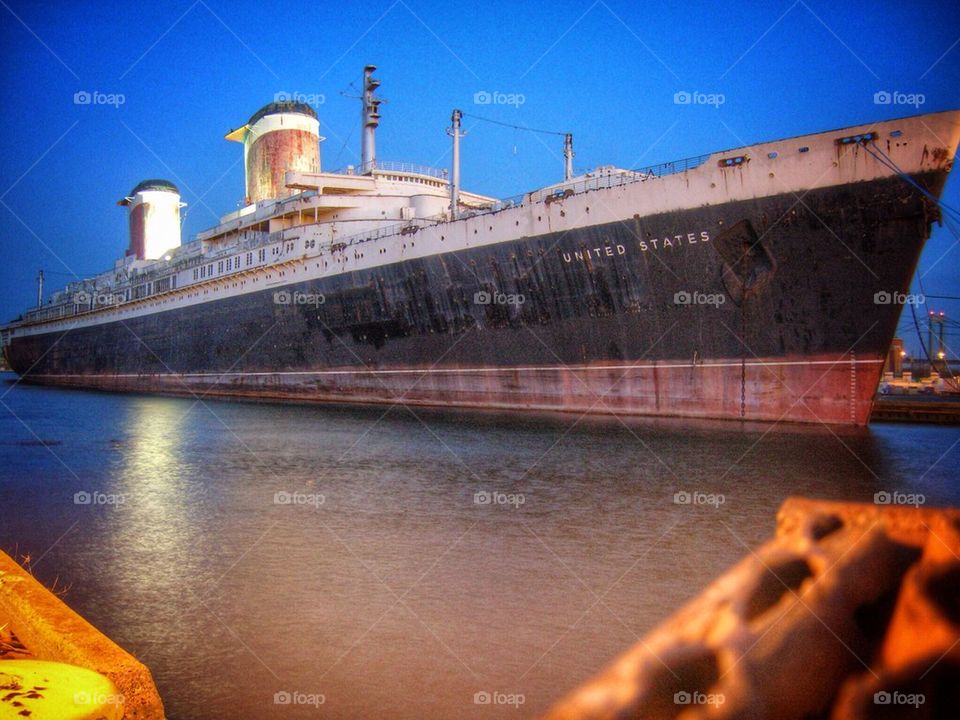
[(154, 219), (369, 120), (280, 137)]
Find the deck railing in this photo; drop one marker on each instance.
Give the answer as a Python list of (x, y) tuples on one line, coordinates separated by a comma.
[(382, 166), (615, 178)]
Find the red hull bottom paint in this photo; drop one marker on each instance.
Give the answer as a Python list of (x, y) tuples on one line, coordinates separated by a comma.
[(813, 389)]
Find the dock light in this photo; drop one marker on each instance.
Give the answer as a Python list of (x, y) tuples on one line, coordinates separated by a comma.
[(940, 355), (903, 353)]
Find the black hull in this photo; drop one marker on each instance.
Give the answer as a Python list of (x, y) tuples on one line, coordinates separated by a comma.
[(797, 278)]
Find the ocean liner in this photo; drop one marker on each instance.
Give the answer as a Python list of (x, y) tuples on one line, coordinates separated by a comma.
[(758, 283)]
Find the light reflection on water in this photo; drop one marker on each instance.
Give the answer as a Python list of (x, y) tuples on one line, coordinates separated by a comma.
[(399, 596)]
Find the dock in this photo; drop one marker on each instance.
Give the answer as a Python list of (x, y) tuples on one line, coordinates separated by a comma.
[(917, 409)]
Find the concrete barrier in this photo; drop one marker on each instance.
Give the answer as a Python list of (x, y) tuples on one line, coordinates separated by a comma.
[(52, 631)]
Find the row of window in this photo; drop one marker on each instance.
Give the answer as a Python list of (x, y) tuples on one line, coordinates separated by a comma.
[(419, 181), (228, 265), (168, 283), (277, 250)]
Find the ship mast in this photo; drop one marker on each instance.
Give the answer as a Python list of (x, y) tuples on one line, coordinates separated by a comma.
[(454, 132), (370, 119), (567, 156), (40, 289)]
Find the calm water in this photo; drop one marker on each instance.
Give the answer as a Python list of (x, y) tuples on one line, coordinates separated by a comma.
[(384, 587)]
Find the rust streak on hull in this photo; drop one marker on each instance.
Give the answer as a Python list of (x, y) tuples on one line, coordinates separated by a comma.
[(809, 389)]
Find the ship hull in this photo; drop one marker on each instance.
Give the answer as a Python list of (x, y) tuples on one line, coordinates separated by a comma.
[(812, 389), (762, 309)]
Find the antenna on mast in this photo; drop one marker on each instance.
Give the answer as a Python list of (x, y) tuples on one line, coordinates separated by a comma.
[(567, 141), (40, 289), (369, 120), (454, 132)]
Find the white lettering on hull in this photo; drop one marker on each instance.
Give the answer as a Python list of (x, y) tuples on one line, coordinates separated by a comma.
[(584, 254), (587, 253), (675, 241)]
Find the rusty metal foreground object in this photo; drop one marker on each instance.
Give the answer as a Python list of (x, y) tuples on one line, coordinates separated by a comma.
[(851, 611)]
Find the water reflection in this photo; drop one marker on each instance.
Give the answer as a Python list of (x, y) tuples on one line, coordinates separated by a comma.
[(151, 470), (400, 595)]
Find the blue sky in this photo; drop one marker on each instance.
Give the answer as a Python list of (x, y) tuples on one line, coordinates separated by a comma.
[(607, 71)]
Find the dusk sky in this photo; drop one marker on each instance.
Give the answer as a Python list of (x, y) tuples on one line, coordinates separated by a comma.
[(173, 78)]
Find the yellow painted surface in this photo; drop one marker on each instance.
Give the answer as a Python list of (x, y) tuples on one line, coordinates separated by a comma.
[(55, 691)]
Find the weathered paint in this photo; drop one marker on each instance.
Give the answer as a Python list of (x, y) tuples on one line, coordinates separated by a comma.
[(824, 166), (275, 153), (53, 631), (797, 337), (807, 389), (796, 243), (275, 144), (154, 224)]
